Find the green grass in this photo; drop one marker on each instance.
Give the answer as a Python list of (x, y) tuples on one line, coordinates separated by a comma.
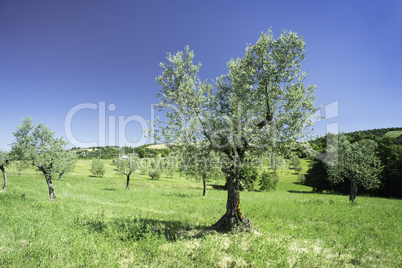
[(95, 222), (394, 133)]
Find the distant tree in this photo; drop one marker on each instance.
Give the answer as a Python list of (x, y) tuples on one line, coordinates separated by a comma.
[(38, 146), (248, 175), (4, 161), (155, 174), (268, 181), (201, 164), (127, 167), (262, 103), (296, 164), (65, 163), (357, 162), (98, 168), (141, 152)]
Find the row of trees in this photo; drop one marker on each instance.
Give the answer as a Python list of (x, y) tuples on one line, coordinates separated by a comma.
[(111, 152)]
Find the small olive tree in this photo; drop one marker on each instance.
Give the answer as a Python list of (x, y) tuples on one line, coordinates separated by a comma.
[(97, 167), (38, 146), (200, 163), (127, 166)]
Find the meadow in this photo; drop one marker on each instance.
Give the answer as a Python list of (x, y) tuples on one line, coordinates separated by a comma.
[(95, 222)]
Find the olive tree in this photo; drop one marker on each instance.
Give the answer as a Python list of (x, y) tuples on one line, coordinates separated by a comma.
[(4, 161), (127, 167), (200, 163), (97, 167), (260, 104), (37, 145), (357, 162)]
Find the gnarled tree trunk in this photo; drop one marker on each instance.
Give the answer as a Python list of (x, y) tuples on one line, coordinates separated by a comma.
[(5, 178), (49, 182), (233, 218)]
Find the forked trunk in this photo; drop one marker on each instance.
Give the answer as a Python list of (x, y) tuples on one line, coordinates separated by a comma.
[(128, 181), (204, 182), (49, 182), (233, 218), (5, 178)]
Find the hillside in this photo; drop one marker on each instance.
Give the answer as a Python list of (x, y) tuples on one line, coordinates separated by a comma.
[(166, 223)]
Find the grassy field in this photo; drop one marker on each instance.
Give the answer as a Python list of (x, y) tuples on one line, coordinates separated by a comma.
[(394, 133), (95, 222)]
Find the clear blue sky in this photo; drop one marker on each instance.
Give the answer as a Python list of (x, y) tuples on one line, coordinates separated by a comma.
[(55, 55)]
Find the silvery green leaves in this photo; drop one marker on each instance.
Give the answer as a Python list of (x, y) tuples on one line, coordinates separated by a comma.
[(261, 102), (37, 145)]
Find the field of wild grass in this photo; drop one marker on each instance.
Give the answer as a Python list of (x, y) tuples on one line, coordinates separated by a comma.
[(95, 222)]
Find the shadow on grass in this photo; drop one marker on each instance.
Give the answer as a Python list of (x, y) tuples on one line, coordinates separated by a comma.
[(218, 187), (109, 189), (303, 192), (175, 194), (137, 228)]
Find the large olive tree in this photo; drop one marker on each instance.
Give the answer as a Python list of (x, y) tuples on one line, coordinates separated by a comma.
[(37, 145), (261, 104)]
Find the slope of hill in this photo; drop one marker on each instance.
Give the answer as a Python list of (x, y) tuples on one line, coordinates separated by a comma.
[(394, 133)]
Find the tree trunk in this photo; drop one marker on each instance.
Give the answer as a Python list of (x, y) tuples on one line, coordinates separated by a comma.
[(48, 177), (353, 190), (5, 178), (60, 175), (204, 182), (233, 218), (128, 181)]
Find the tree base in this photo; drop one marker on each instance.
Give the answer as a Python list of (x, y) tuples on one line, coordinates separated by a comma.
[(227, 224)]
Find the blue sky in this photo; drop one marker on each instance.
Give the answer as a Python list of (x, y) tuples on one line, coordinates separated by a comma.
[(56, 56)]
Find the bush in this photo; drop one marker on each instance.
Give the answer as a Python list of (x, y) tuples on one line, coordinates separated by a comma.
[(301, 178), (248, 176), (98, 168), (155, 174), (268, 181)]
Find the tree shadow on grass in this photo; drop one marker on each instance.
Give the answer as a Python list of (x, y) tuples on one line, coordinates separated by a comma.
[(303, 192), (109, 189), (137, 228), (218, 187)]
